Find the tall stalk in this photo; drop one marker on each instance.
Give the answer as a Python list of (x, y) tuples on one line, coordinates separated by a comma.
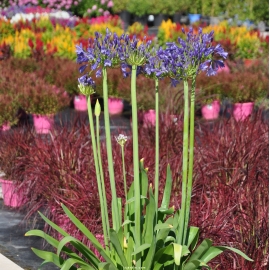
[(101, 195), (157, 142), (191, 157), (137, 194), (125, 185), (182, 217), (97, 113), (115, 212)]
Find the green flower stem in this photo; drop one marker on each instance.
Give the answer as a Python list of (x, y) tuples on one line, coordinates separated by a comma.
[(184, 164), (106, 216), (137, 194), (124, 170), (157, 143), (125, 186), (93, 139), (115, 212), (191, 157)]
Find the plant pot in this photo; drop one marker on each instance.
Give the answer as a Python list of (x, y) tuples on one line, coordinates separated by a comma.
[(115, 105), (5, 127), (193, 18), (80, 103), (12, 195), (211, 111), (43, 123), (149, 118), (242, 110)]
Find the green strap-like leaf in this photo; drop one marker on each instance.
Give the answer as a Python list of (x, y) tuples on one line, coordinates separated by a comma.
[(63, 242), (166, 211), (192, 265), (193, 236), (237, 251), (48, 257), (130, 248), (52, 241), (88, 234), (211, 253), (143, 179), (148, 262), (149, 219), (163, 226), (71, 261), (133, 199), (167, 190), (140, 249), (199, 252), (127, 222), (105, 266), (55, 243), (164, 254), (177, 253), (119, 251), (53, 225)]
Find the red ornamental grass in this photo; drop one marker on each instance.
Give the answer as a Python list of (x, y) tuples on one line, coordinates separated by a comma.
[(230, 191)]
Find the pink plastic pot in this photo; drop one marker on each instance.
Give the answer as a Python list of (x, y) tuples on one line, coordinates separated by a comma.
[(43, 123), (5, 127), (211, 111), (11, 194), (149, 118), (242, 110), (80, 103), (115, 106)]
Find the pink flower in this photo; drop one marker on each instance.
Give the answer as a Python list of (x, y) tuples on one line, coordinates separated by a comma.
[(89, 10), (106, 13), (94, 7), (100, 10), (110, 4)]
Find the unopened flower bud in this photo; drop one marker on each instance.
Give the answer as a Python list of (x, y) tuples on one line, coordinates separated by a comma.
[(86, 90), (97, 108)]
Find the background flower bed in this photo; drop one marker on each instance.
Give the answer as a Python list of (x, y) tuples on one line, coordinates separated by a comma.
[(59, 36), (241, 84), (231, 189)]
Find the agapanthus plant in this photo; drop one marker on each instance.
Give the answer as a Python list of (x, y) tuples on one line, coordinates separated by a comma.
[(150, 234)]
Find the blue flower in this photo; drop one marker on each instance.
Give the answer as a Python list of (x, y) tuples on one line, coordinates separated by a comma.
[(187, 58), (102, 52)]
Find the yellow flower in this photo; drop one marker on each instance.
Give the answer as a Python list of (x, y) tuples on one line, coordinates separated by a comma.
[(167, 26)]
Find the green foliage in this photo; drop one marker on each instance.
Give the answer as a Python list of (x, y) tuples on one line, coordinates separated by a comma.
[(119, 5), (43, 99), (9, 107), (138, 7), (6, 29)]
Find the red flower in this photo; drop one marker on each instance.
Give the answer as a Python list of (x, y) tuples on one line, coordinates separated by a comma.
[(31, 43)]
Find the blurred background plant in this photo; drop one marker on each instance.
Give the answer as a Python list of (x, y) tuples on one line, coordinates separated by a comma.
[(43, 99), (9, 109), (119, 5)]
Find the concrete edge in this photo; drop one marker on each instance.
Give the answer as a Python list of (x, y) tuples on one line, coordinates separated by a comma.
[(8, 264)]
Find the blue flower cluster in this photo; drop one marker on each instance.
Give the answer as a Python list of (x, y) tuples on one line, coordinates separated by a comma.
[(181, 60)]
